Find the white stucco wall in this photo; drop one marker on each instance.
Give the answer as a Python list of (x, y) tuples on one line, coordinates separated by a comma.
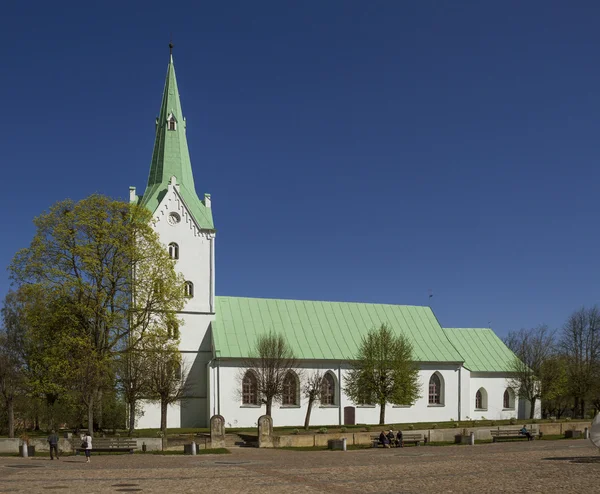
[(494, 386), (238, 415)]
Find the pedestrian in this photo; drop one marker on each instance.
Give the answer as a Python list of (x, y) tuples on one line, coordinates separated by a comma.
[(87, 446), (53, 442), (399, 441)]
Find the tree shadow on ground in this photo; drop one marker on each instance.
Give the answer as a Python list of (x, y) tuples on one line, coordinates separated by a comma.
[(576, 459)]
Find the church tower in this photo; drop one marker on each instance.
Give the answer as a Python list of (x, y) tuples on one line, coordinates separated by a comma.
[(185, 226)]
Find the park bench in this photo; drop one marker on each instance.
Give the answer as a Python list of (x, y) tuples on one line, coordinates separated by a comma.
[(111, 445), (510, 434), (407, 437)]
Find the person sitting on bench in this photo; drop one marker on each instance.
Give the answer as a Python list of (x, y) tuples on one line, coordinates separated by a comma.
[(383, 440), (525, 432), (391, 438), (399, 441)]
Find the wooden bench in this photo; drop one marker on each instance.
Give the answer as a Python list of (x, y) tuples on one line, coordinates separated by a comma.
[(407, 437), (511, 434), (111, 445)]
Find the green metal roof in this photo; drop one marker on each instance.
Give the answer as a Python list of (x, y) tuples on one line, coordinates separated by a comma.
[(481, 349), (171, 157), (324, 330)]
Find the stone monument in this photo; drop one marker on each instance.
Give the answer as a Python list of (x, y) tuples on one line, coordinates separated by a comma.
[(265, 432), (217, 431)]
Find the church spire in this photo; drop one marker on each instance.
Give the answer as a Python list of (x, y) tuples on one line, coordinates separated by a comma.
[(171, 158)]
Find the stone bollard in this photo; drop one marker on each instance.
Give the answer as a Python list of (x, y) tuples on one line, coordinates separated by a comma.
[(472, 439), (586, 433), (343, 444), (194, 448), (24, 452)]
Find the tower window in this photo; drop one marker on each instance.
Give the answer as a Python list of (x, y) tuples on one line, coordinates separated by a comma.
[(173, 250), (188, 289), (171, 122)]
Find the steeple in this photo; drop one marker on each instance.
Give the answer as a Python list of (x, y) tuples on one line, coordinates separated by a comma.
[(171, 157)]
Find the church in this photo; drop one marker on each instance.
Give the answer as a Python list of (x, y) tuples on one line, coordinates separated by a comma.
[(463, 371)]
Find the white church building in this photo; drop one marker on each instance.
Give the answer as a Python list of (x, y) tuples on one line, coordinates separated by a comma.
[(463, 372)]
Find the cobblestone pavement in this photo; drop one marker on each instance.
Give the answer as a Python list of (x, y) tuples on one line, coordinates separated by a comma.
[(541, 466)]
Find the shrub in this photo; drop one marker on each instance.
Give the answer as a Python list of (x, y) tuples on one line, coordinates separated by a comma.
[(367, 429), (493, 422), (342, 429), (411, 427), (568, 419), (433, 426), (513, 421), (323, 430), (295, 431), (455, 424)]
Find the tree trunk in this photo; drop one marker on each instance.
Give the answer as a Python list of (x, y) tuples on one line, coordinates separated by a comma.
[(381, 413), (10, 409), (582, 415), (269, 403), (163, 417), (532, 411), (131, 417), (99, 410), (308, 410), (91, 415)]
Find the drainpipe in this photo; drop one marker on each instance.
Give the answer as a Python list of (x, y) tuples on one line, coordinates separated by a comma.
[(459, 391), (218, 387), (340, 392)]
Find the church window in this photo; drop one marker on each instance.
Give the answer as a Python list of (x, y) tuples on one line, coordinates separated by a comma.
[(173, 250), (328, 390), (188, 289), (290, 389), (436, 390), (508, 400), (249, 389), (481, 399)]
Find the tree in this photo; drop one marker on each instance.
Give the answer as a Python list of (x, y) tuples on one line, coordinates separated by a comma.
[(102, 259), (383, 371), (532, 349), (133, 371), (312, 392), (555, 386), (270, 361), (580, 343), (166, 375), (10, 379)]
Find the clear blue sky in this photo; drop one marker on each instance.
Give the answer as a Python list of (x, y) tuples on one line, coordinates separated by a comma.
[(354, 150)]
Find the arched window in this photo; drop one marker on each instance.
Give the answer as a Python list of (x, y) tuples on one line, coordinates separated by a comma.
[(173, 250), (188, 289), (436, 390), (328, 390), (249, 389), (508, 401), (290, 389), (171, 122), (481, 399)]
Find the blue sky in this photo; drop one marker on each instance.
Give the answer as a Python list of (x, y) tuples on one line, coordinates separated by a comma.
[(355, 151)]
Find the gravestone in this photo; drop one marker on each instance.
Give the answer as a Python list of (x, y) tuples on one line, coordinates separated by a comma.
[(265, 432), (217, 431)]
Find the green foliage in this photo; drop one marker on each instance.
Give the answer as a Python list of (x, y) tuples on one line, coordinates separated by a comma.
[(323, 430), (296, 431), (383, 371), (342, 429), (513, 421), (94, 284)]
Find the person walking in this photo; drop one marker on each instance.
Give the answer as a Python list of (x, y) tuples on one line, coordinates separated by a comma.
[(87, 445), (53, 442)]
